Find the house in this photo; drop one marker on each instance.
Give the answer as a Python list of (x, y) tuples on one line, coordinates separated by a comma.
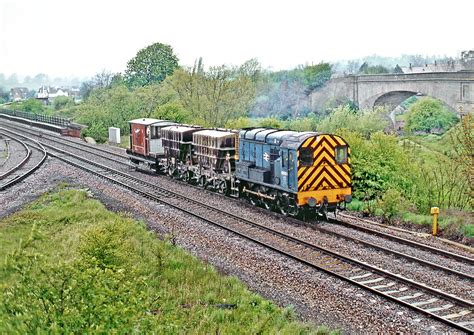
[(464, 63), (18, 94), (46, 94)]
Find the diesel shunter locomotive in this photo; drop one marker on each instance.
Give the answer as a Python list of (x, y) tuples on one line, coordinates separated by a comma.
[(300, 174)]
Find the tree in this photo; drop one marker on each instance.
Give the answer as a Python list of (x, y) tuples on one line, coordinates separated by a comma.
[(315, 76), (427, 114), (103, 79), (31, 105), (62, 102), (151, 65), (218, 95), (4, 95), (352, 67), (397, 69)]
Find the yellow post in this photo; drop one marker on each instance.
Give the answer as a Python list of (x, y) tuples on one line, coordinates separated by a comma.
[(435, 212)]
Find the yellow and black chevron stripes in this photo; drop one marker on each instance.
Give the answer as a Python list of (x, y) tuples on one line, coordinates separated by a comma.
[(324, 173)]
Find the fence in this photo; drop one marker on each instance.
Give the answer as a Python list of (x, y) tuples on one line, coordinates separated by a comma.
[(58, 121)]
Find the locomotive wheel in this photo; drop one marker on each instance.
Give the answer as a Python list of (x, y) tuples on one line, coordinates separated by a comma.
[(254, 201), (287, 206), (267, 203)]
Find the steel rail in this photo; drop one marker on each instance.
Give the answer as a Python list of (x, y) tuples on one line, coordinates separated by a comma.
[(372, 245), (289, 238), (404, 241), (22, 162), (30, 171), (43, 134)]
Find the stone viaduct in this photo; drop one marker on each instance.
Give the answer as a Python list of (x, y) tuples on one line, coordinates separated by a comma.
[(455, 89)]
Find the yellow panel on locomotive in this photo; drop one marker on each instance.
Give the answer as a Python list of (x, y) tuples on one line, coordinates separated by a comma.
[(324, 171)]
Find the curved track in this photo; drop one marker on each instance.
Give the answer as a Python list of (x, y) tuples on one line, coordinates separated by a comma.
[(417, 296), (33, 159)]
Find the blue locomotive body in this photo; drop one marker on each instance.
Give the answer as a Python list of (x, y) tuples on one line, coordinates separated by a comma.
[(266, 157)]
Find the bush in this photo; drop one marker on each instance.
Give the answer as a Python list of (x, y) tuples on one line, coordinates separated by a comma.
[(427, 114), (62, 102), (270, 123), (391, 204), (172, 112), (30, 105), (364, 122)]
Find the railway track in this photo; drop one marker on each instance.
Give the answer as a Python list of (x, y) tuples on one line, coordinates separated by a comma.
[(99, 152), (94, 150), (34, 157), (439, 305)]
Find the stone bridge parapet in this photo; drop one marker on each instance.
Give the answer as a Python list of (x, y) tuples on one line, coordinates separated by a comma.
[(455, 89)]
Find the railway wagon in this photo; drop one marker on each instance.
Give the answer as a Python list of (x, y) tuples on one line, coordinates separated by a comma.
[(294, 172), (178, 149), (215, 155), (146, 147)]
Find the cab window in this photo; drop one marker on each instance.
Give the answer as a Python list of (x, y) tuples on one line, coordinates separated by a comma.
[(291, 162), (341, 154), (306, 156)]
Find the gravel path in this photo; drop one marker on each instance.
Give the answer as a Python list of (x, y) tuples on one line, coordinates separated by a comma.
[(316, 296)]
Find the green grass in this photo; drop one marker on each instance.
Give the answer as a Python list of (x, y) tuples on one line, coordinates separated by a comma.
[(125, 141), (69, 265), (455, 223)]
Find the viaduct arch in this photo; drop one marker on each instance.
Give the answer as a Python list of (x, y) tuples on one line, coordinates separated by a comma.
[(455, 89)]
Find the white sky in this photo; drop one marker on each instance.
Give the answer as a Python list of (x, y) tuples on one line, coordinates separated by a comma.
[(82, 37)]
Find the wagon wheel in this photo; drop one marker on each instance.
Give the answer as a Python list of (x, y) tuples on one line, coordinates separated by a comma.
[(223, 187), (171, 171), (188, 176), (202, 181)]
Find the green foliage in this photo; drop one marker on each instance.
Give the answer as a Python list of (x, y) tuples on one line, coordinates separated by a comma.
[(316, 76), (172, 111), (378, 164), (270, 123), (70, 266), (364, 122), (115, 106), (365, 68), (215, 96), (31, 105), (240, 123), (427, 114), (151, 65), (391, 204), (62, 102)]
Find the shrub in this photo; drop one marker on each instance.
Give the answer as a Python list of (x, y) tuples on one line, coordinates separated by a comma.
[(30, 105), (391, 204), (62, 102), (427, 114)]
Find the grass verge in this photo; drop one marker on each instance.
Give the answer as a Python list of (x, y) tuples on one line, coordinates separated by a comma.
[(70, 266), (454, 224)]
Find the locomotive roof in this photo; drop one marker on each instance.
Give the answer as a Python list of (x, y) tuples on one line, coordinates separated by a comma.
[(214, 133), (285, 138), (149, 121)]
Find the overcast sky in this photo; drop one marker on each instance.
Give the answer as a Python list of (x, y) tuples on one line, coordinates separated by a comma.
[(80, 38)]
